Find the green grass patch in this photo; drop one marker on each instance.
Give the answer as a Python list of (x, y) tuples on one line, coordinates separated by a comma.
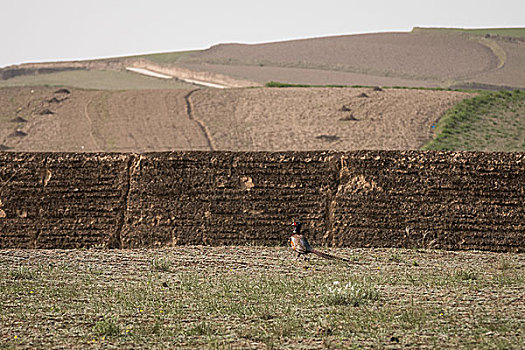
[(95, 79), (509, 32), (166, 57), (491, 121)]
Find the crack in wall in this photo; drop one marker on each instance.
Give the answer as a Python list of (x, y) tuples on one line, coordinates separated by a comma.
[(116, 240), (191, 116), (331, 200), (45, 176)]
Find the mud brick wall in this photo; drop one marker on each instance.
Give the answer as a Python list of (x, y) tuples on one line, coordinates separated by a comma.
[(447, 200), (221, 198), (55, 200), (450, 200)]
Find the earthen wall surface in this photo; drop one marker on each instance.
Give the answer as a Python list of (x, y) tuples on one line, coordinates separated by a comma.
[(449, 200)]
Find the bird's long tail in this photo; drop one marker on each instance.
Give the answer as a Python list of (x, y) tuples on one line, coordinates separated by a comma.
[(328, 256), (324, 255)]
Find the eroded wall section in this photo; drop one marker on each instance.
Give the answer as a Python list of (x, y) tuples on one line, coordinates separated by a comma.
[(62, 200)]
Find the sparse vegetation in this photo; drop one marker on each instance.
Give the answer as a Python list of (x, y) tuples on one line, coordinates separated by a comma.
[(509, 32), (491, 121), (234, 297), (165, 57)]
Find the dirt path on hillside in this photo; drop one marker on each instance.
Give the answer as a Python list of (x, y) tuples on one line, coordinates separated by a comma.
[(191, 116)]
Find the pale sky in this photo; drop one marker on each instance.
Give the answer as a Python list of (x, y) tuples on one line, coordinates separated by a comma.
[(55, 30)]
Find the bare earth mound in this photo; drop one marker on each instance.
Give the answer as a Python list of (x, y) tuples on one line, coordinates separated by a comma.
[(42, 119)]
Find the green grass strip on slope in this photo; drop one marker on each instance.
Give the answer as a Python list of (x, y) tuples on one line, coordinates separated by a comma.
[(491, 121), (276, 84), (166, 57), (508, 32)]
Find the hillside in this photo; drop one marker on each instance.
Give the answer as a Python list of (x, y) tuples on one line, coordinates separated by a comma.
[(75, 120), (110, 108), (420, 58), (425, 57)]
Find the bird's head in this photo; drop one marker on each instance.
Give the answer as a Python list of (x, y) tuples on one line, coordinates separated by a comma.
[(297, 227)]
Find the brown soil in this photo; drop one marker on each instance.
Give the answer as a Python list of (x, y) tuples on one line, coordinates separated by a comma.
[(512, 73), (416, 59), (265, 74), (236, 119), (432, 57), (314, 118)]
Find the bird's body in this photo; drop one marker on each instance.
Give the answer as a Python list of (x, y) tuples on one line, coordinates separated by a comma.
[(301, 246)]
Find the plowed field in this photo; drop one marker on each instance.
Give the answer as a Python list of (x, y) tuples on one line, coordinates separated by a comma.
[(47, 119)]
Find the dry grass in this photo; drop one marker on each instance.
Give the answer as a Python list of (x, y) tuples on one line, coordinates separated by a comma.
[(254, 297)]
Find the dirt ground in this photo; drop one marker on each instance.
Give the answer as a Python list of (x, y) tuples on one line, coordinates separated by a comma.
[(421, 58), (428, 57), (45, 119), (260, 298), (299, 119)]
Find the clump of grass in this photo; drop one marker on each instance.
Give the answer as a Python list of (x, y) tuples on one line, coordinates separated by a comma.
[(161, 264), (200, 329), (22, 273), (412, 318), (350, 293), (108, 327), (395, 257), (465, 275)]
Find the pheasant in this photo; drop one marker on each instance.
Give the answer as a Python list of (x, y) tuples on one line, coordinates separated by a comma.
[(300, 244)]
